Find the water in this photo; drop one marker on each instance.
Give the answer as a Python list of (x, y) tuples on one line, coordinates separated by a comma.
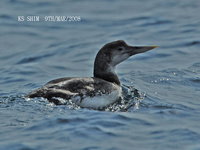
[(168, 78)]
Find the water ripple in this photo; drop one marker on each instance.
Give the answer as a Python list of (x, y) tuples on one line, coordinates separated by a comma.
[(34, 59), (157, 22), (7, 17), (193, 43)]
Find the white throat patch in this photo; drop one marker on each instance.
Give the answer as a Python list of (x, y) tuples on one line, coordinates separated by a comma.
[(119, 58)]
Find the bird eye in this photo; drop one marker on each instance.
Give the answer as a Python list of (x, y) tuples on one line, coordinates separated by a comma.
[(120, 49)]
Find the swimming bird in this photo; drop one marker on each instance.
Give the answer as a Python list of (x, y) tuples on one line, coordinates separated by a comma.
[(95, 92)]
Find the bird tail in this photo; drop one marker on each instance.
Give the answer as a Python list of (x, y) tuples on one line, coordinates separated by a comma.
[(40, 92)]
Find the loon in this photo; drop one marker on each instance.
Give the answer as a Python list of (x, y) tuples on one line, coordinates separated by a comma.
[(95, 92)]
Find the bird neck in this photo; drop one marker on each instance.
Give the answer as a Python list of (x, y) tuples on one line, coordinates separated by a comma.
[(103, 70)]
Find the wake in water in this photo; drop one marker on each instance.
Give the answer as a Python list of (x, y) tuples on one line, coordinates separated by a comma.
[(131, 99)]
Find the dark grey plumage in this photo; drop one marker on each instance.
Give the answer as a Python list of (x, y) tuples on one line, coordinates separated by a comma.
[(104, 82), (75, 86)]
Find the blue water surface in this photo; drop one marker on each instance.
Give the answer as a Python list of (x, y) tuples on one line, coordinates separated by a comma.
[(33, 53)]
